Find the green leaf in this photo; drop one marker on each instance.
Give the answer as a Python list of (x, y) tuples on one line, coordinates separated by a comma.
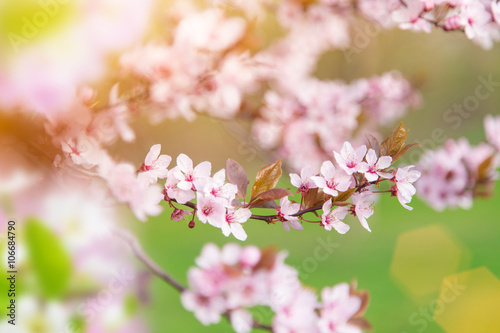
[(50, 261)]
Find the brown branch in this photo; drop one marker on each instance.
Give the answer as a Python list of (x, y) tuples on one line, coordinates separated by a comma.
[(156, 270), (144, 258)]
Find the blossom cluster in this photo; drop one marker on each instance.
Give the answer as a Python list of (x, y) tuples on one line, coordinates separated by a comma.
[(452, 176), (480, 20), (231, 280), (210, 64), (223, 203)]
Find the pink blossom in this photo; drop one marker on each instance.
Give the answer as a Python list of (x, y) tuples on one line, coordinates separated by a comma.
[(155, 165), (241, 321), (178, 214), (189, 178), (351, 160), (298, 315), (492, 129), (332, 180), (363, 207), (333, 218), (285, 212), (209, 30), (375, 166), (445, 178), (250, 256), (338, 306), (304, 181), (207, 310), (84, 151), (217, 187), (131, 189), (409, 16), (476, 20), (210, 209), (173, 192), (234, 219), (404, 179)]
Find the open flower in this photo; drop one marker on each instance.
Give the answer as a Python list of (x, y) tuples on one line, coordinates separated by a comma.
[(285, 212), (351, 160), (332, 218), (303, 182), (332, 180), (210, 209), (376, 165), (189, 178), (404, 188), (155, 165), (234, 219), (363, 207)]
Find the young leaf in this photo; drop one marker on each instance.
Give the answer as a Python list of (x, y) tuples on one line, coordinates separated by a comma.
[(374, 144), (344, 196), (403, 151), (485, 168), (266, 179), (267, 259), (313, 198), (237, 176), (265, 204), (395, 142), (272, 194)]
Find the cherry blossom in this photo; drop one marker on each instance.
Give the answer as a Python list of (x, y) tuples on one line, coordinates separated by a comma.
[(363, 207), (173, 192), (404, 189), (208, 310), (332, 180), (210, 209), (217, 187), (333, 218), (351, 160), (234, 219), (155, 165), (303, 182), (131, 189), (375, 166), (191, 178), (408, 16), (298, 315), (338, 306), (286, 211)]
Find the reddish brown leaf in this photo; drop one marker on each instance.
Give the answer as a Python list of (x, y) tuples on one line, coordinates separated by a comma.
[(374, 144), (344, 196), (361, 323), (267, 259), (395, 142), (270, 195), (265, 204), (266, 179), (403, 151), (313, 198), (485, 168), (237, 176)]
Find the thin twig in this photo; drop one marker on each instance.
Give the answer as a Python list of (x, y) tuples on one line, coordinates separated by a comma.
[(144, 258)]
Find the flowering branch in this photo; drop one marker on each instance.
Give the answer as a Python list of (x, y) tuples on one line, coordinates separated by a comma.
[(156, 270)]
